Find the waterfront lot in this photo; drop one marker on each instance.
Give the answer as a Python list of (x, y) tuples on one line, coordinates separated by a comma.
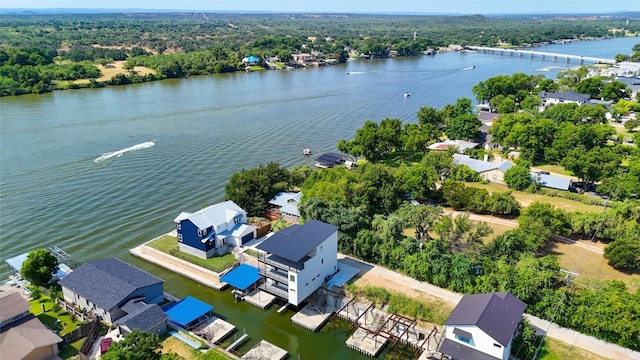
[(169, 244)]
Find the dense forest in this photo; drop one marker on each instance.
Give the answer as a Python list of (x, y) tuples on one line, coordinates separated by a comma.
[(41, 53)]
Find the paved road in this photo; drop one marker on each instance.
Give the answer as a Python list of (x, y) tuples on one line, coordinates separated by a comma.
[(390, 279)]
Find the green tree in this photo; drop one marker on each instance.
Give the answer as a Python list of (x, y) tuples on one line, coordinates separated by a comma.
[(518, 177), (593, 165), (615, 90), (631, 124), (503, 203), (39, 266), (419, 180), (623, 253), (463, 127), (136, 345)]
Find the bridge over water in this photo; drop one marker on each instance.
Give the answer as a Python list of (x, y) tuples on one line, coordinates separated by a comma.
[(540, 54)]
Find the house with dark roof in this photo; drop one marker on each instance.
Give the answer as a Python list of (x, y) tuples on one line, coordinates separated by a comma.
[(295, 262), (490, 171), (214, 230), (149, 318), (482, 327), (22, 335), (330, 160), (285, 206), (103, 287), (562, 97)]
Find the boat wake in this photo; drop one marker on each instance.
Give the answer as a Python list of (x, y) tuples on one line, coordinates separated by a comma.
[(355, 72), (109, 155), (468, 68)]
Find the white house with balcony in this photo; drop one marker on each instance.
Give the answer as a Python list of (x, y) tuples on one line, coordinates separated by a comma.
[(296, 261), (482, 327)]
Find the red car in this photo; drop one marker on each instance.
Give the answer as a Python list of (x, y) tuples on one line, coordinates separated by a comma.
[(104, 345)]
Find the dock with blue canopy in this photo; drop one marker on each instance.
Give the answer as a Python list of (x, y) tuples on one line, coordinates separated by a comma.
[(188, 312), (242, 277)]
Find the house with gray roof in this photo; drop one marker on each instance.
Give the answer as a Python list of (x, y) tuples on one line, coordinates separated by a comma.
[(22, 335), (562, 97), (295, 261), (482, 327), (490, 171), (214, 230), (103, 287), (286, 205), (149, 318), (551, 181)]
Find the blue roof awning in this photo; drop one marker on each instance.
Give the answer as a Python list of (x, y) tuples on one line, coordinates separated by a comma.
[(241, 277), (187, 310)]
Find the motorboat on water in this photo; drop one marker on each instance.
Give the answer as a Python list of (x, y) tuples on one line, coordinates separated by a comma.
[(406, 94), (306, 151)]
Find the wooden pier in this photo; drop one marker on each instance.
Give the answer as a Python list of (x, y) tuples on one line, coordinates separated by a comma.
[(237, 342), (540, 54)]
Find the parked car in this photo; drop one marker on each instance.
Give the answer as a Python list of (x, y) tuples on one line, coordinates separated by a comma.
[(105, 344)]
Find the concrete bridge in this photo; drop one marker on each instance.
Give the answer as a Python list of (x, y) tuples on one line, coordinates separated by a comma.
[(540, 54)]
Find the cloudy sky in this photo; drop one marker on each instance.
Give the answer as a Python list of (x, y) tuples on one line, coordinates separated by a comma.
[(351, 6)]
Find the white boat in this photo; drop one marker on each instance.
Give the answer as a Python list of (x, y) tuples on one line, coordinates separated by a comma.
[(406, 94), (306, 151)]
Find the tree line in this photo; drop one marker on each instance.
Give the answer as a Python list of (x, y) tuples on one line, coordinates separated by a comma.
[(176, 45)]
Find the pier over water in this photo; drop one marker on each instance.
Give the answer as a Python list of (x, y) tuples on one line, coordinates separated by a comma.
[(540, 54)]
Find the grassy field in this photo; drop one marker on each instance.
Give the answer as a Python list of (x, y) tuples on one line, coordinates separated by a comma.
[(557, 350), (592, 267), (167, 244), (526, 199), (554, 169)]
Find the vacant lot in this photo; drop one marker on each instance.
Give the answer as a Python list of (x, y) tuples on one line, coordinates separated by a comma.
[(526, 199), (592, 267)]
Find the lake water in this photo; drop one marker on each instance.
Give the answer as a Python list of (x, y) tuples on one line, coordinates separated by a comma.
[(54, 189)]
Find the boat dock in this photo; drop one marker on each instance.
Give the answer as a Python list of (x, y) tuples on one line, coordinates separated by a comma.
[(215, 330), (265, 350), (237, 342), (365, 342), (196, 273), (259, 298), (311, 317)]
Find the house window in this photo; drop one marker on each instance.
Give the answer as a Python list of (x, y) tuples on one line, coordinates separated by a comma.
[(322, 261), (179, 226), (497, 345), (292, 278), (179, 237), (463, 339)]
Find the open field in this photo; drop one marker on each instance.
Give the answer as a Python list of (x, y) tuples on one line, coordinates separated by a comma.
[(592, 267), (557, 169), (525, 199), (557, 350)]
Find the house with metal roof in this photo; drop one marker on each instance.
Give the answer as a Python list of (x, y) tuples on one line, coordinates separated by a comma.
[(214, 230), (330, 160), (103, 287), (22, 335), (286, 205), (490, 171), (461, 145), (482, 327), (296, 261), (551, 181), (562, 97)]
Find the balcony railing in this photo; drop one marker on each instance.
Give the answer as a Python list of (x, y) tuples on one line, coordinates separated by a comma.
[(276, 275), (277, 264), (275, 290)]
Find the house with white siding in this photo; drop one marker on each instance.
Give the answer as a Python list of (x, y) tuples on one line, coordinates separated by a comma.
[(482, 327), (296, 261)]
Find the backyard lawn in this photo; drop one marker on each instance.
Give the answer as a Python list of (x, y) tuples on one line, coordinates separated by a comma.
[(184, 351), (169, 244), (49, 316), (557, 350)]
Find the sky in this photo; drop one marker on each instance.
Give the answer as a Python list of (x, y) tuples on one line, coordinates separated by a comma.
[(347, 6)]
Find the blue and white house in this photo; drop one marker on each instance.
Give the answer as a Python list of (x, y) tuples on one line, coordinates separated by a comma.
[(213, 230)]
